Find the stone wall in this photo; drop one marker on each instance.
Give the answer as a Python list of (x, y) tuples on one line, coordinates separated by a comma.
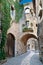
[(39, 11), (40, 40), (16, 30)]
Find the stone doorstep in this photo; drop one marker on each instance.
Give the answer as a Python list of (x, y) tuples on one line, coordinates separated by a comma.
[(3, 61)]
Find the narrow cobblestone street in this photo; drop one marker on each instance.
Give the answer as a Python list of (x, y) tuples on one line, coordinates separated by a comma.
[(29, 58), (21, 32)]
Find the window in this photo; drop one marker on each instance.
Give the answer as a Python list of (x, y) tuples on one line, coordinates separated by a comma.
[(31, 24), (27, 23), (40, 14), (40, 3), (36, 25), (12, 13), (27, 10), (40, 9)]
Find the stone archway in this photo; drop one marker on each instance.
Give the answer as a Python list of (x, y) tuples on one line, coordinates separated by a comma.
[(24, 39), (27, 36), (32, 44), (10, 45)]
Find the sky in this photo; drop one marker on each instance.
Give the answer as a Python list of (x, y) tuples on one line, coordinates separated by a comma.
[(25, 1)]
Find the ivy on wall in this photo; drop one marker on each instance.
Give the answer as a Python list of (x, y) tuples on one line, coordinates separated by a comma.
[(19, 10), (5, 20)]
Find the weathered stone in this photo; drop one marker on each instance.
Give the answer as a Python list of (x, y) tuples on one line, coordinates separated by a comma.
[(41, 40)]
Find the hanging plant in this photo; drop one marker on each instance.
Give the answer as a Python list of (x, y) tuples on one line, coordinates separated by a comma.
[(19, 10)]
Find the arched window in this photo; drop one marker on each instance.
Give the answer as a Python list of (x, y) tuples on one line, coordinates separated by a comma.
[(27, 10), (27, 23), (12, 13)]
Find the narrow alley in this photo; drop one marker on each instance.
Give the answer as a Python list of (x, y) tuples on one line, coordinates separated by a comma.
[(29, 58)]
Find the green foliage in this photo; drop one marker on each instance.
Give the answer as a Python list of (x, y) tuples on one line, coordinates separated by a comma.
[(11, 2), (27, 29), (2, 54), (5, 20), (19, 10)]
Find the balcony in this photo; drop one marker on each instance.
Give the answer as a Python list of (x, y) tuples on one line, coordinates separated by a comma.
[(27, 29)]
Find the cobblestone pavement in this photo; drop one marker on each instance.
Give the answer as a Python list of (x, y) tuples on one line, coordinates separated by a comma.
[(29, 58)]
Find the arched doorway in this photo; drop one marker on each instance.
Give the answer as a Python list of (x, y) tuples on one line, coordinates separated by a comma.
[(10, 45)]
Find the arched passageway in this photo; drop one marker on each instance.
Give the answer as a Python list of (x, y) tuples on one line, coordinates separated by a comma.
[(25, 37), (32, 44), (24, 40), (10, 45)]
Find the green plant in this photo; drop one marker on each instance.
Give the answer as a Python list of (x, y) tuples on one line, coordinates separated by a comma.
[(27, 29), (2, 54), (19, 10), (5, 20)]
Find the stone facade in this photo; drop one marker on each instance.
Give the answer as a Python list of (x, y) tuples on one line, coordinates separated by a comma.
[(21, 38), (40, 40), (39, 15)]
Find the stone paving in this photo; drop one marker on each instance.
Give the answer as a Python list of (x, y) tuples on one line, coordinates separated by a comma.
[(29, 58)]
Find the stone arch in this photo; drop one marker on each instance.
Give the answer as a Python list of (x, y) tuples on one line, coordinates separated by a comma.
[(32, 44), (27, 36), (24, 38), (10, 45)]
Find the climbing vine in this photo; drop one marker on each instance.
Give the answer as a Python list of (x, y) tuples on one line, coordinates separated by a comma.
[(19, 10), (5, 20)]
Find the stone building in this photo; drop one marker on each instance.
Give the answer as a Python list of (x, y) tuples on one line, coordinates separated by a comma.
[(39, 14), (19, 33)]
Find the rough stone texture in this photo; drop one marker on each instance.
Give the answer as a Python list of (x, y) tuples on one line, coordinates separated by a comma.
[(41, 40), (16, 30), (39, 11)]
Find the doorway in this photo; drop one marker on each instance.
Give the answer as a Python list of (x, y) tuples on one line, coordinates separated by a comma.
[(10, 45)]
